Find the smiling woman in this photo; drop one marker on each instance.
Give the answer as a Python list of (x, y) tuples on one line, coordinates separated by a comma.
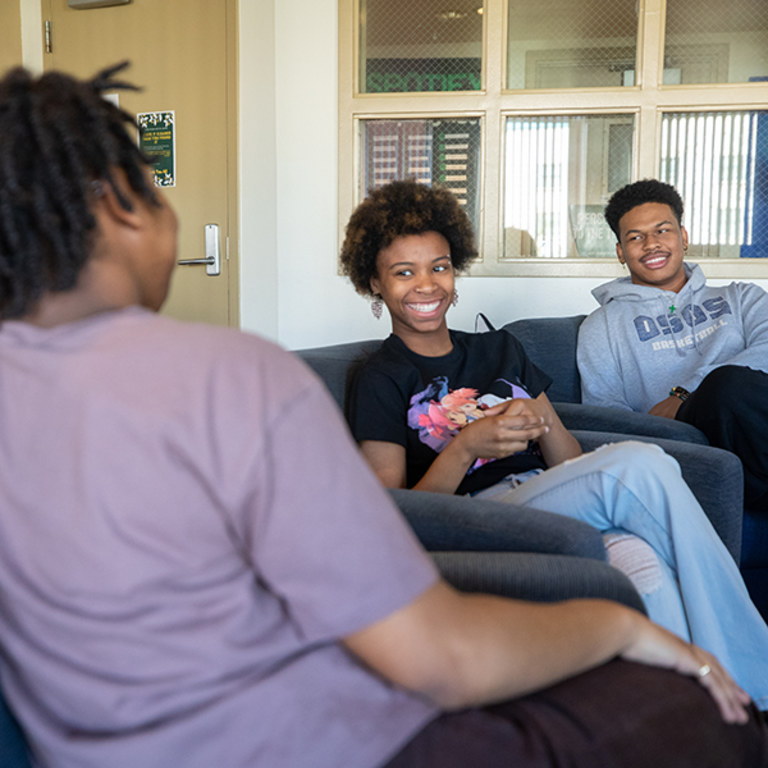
[(403, 208), (415, 281)]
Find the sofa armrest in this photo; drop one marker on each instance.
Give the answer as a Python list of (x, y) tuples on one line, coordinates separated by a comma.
[(600, 419), (514, 551), (543, 578), (715, 476), (444, 522)]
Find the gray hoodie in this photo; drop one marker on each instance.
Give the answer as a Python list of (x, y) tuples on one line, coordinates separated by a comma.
[(643, 341)]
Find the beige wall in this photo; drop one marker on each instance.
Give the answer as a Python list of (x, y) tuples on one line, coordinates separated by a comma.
[(290, 289), (10, 34)]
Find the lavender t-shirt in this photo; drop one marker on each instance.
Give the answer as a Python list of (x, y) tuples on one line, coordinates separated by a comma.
[(186, 529)]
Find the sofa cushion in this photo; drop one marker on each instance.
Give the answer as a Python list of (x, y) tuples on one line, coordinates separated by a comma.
[(550, 343), (447, 522), (338, 364), (534, 576), (600, 419)]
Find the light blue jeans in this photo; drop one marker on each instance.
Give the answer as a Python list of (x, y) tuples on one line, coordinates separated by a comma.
[(634, 487)]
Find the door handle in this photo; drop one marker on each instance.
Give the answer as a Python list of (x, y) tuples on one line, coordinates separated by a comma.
[(212, 258)]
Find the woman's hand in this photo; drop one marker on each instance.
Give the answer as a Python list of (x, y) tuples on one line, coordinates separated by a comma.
[(462, 650), (505, 429), (651, 644), (517, 421), (496, 435)]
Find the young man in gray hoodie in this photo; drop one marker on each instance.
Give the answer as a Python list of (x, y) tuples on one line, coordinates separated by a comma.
[(664, 342)]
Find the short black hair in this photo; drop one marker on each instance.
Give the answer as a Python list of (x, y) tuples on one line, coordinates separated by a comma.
[(639, 193), (58, 136), (403, 208)]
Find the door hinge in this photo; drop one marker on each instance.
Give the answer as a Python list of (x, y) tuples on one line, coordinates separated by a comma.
[(48, 45)]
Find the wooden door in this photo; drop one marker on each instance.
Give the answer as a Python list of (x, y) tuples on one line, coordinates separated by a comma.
[(182, 54), (10, 36)]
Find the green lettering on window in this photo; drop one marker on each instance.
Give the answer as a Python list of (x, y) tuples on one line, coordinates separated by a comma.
[(392, 82), (454, 82), (373, 83)]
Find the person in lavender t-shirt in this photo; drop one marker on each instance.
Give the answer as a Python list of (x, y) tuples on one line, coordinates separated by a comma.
[(198, 569)]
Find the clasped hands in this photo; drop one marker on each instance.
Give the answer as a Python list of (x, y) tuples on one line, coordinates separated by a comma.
[(505, 428)]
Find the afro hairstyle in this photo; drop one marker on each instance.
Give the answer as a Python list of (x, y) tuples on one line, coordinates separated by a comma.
[(397, 209)]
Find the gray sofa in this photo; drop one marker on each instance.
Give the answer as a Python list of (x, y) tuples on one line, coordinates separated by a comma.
[(551, 344), (519, 547), (715, 476)]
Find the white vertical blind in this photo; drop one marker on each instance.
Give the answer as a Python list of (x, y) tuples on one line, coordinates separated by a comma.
[(536, 198), (710, 158)]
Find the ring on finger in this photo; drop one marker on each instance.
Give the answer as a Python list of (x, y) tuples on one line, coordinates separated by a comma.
[(704, 670)]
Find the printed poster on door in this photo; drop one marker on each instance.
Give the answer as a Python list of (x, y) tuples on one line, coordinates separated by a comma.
[(157, 139)]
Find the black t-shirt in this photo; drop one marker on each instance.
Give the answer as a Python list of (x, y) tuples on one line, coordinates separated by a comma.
[(422, 402)]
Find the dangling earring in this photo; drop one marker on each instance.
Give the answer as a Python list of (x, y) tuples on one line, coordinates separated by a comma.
[(455, 299), (377, 306)]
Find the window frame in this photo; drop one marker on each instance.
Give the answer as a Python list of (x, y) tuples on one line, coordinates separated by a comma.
[(648, 99)]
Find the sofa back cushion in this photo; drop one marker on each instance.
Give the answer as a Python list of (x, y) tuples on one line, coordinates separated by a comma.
[(338, 364), (550, 343)]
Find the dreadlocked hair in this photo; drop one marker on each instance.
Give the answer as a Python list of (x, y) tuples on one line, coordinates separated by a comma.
[(58, 138), (397, 209), (639, 193)]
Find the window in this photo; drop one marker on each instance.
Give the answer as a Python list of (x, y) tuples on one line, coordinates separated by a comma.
[(709, 41), (554, 105), (712, 159), (446, 152), (427, 45), (558, 171), (561, 44)]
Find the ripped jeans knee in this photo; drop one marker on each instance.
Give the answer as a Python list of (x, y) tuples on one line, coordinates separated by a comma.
[(635, 558)]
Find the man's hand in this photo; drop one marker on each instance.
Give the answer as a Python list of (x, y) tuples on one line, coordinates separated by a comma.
[(667, 408)]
